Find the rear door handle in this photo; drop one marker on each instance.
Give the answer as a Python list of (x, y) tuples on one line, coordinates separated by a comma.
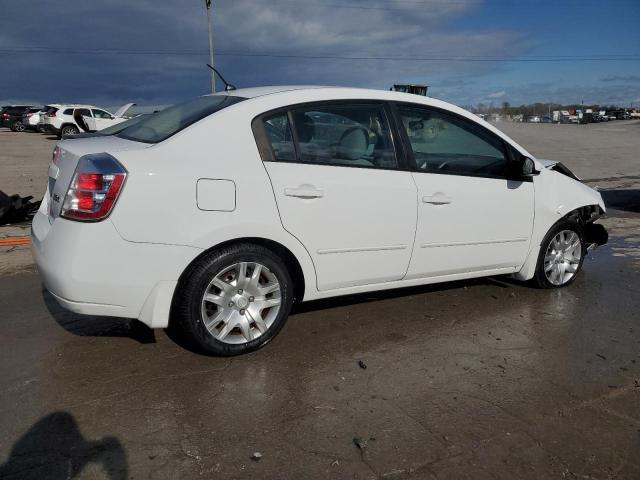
[(437, 198), (304, 191)]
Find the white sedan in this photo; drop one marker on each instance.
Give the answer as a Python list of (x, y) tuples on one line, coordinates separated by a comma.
[(215, 215)]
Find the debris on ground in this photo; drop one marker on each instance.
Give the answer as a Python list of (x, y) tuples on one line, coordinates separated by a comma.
[(601, 356), (362, 365), (361, 444), (14, 208), (256, 456)]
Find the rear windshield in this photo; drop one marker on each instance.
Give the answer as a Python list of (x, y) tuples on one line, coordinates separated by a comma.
[(162, 125)]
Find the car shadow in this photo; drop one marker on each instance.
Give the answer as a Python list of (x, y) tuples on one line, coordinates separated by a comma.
[(54, 448), (97, 326), (621, 199), (356, 299)]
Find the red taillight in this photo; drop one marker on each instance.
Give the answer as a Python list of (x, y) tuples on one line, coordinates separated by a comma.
[(89, 181), (29, 115), (94, 189)]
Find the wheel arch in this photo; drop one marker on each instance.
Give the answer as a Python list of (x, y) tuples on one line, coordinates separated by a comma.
[(291, 261), (68, 124), (582, 215)]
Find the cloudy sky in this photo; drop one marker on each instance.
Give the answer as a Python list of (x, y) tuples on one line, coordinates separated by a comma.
[(154, 52)]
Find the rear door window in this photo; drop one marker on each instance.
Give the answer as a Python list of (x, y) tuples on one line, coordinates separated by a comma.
[(335, 133), (355, 135)]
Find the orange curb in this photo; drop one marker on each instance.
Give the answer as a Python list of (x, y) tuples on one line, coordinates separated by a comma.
[(14, 241)]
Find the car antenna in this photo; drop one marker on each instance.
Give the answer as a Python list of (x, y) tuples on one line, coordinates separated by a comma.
[(227, 86)]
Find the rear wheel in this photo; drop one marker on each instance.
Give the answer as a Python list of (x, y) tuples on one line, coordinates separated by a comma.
[(561, 255), (234, 300), (18, 126), (69, 130)]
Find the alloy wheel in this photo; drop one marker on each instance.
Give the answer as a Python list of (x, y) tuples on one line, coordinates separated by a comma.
[(241, 302), (562, 258)]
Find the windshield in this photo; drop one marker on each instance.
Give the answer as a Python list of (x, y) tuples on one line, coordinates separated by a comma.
[(160, 126)]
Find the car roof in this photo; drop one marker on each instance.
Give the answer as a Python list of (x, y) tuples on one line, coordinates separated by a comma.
[(264, 99), (339, 92), (72, 105), (252, 92), (321, 93)]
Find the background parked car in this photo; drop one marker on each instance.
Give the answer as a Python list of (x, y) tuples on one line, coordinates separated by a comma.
[(31, 117), (42, 114), (18, 123), (11, 113), (72, 119)]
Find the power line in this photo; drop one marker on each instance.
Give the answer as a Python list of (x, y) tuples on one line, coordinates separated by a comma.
[(427, 58), (369, 7), (396, 6)]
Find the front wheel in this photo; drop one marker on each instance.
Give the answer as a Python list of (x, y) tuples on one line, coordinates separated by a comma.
[(561, 255), (234, 300)]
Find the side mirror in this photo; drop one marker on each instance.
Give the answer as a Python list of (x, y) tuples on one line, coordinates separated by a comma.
[(528, 167), (523, 167)]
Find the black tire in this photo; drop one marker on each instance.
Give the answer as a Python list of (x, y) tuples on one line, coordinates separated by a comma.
[(68, 130), (186, 308), (540, 278), (17, 126)]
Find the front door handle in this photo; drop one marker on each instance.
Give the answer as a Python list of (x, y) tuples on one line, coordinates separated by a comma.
[(437, 198), (304, 191)]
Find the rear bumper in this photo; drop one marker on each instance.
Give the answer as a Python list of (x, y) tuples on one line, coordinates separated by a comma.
[(91, 270)]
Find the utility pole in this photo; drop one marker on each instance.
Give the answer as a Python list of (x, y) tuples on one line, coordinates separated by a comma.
[(207, 4)]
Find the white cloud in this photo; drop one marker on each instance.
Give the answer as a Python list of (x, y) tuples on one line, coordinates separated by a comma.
[(499, 94)]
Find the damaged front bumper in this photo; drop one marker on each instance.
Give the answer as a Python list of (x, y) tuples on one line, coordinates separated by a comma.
[(595, 235)]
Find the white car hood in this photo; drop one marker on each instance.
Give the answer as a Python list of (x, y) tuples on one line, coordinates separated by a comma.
[(547, 163)]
